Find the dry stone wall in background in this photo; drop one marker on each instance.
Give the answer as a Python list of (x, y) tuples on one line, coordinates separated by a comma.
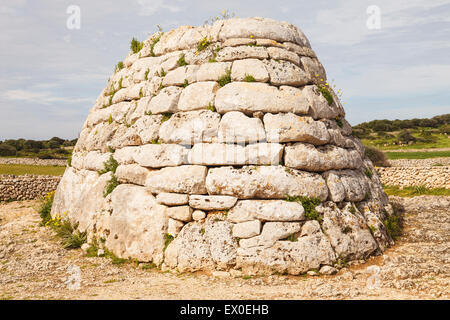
[(26, 187)]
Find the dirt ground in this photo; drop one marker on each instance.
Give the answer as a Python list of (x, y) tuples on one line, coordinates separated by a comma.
[(33, 265)]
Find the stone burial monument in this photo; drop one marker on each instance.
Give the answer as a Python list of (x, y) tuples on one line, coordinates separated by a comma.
[(222, 147)]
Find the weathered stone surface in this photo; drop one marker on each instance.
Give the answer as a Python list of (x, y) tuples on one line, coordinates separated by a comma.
[(202, 246), (160, 155), (178, 76), (166, 101), (346, 184), (172, 199), (125, 155), (190, 127), (182, 179), (241, 52), (288, 127), (147, 128), (198, 95), (249, 97), (181, 213), (137, 225), (306, 253), (261, 28), (272, 232), (174, 227), (212, 71), (348, 233), (318, 106), (198, 215), (236, 127), (307, 157), (93, 160), (265, 182), (249, 67), (282, 54), (211, 202), (247, 229), (234, 42), (286, 73), (313, 68), (328, 270), (310, 227), (213, 154), (266, 210), (132, 173), (124, 136)]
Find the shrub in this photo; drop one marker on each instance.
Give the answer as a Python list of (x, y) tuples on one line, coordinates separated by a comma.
[(110, 165), (155, 41), (406, 137), (168, 238), (70, 237), (136, 45), (110, 186), (226, 78), (326, 94), (249, 78), (119, 66), (181, 61), (46, 207), (202, 45), (309, 204), (7, 150), (394, 224), (377, 157), (166, 116)]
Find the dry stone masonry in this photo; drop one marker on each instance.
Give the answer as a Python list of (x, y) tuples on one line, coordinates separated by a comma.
[(26, 187), (217, 148)]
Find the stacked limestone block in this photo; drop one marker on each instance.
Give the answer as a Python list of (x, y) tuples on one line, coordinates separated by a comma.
[(208, 157)]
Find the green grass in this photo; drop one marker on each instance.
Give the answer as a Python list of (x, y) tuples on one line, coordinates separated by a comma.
[(21, 169), (441, 141), (417, 155), (415, 191)]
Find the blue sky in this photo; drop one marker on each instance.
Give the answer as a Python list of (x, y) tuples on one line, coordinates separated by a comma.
[(50, 75)]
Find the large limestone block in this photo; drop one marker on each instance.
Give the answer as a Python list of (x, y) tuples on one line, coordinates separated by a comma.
[(236, 127), (172, 199), (115, 112), (181, 213), (183, 179), (174, 227), (250, 97), (286, 73), (161, 155), (203, 246), (178, 76), (198, 95), (314, 69), (318, 106), (79, 196), (99, 136), (242, 52), (137, 225), (307, 157), (212, 71), (211, 202), (309, 252), (247, 229), (147, 128), (288, 127), (273, 182), (264, 153), (350, 185), (166, 101), (124, 136), (92, 160), (214, 154), (190, 127), (132, 173), (348, 233), (266, 210), (283, 54), (125, 155), (249, 67), (272, 232), (261, 28)]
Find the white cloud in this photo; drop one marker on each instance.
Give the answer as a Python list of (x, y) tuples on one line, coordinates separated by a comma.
[(41, 97), (150, 7)]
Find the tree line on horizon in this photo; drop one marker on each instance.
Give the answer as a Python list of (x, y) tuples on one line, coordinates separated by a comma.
[(54, 148)]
